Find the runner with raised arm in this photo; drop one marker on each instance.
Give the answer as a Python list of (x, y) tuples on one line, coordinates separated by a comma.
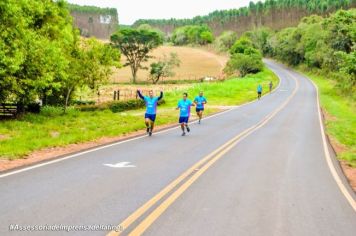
[(184, 107), (151, 109)]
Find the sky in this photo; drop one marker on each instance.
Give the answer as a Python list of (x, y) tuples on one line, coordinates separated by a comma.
[(131, 10)]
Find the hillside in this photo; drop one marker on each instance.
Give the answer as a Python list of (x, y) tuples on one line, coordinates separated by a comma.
[(275, 14), (94, 21)]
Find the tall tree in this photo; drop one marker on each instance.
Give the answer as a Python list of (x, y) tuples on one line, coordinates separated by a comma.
[(136, 45)]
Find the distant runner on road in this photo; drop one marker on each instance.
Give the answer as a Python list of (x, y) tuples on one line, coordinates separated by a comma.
[(200, 101), (259, 91), (184, 107), (270, 86), (151, 109)]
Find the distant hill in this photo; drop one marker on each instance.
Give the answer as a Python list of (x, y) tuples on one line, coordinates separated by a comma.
[(275, 14), (94, 21)]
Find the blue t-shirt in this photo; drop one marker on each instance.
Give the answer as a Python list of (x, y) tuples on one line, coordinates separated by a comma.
[(199, 100), (184, 107), (259, 88), (151, 104)]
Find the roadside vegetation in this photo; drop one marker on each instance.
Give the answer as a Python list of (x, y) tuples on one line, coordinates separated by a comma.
[(42, 58), (52, 128), (339, 113)]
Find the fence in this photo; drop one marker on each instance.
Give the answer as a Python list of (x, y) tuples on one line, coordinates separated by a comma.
[(8, 110)]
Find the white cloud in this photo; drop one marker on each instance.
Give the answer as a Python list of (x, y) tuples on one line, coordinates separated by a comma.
[(131, 10)]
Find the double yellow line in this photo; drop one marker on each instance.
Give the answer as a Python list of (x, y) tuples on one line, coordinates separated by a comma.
[(186, 179)]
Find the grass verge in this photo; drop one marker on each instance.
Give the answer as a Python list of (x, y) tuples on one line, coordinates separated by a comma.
[(51, 128), (340, 117)]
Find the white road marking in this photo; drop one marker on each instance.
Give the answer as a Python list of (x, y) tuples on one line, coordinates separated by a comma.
[(330, 163), (125, 141), (123, 164)]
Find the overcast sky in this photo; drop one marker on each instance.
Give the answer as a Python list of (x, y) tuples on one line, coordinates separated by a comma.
[(131, 10)]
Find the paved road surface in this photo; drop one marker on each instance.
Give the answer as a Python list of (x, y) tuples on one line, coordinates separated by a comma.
[(262, 171)]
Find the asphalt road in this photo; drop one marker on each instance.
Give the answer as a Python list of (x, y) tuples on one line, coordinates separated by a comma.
[(258, 169)]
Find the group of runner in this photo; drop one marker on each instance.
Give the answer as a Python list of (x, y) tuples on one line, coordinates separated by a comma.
[(183, 106)]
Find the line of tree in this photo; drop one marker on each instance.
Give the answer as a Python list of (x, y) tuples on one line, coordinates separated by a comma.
[(43, 57), (276, 14), (92, 10), (325, 44), (192, 34)]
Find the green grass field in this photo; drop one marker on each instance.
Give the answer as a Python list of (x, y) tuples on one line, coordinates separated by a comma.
[(51, 128), (340, 119)]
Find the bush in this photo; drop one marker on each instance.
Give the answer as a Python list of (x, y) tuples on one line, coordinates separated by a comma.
[(117, 106), (244, 58), (126, 105), (244, 64), (78, 102)]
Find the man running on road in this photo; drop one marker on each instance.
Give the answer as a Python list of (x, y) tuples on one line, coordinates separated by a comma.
[(200, 101), (270, 86), (184, 106), (259, 91), (151, 108)]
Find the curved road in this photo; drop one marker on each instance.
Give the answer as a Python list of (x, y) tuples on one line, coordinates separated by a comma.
[(258, 169)]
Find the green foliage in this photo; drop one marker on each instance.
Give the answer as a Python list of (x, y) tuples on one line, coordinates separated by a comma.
[(92, 10), (52, 128), (259, 38), (135, 44), (244, 64), (340, 119), (245, 59), (325, 43), (150, 28), (41, 54), (227, 19), (225, 41), (241, 45), (164, 67), (192, 34)]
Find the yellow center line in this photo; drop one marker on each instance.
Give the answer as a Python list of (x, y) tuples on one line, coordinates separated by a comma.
[(204, 164)]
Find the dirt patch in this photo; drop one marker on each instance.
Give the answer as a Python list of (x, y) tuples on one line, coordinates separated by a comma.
[(195, 64), (339, 148), (4, 137), (350, 173), (328, 116)]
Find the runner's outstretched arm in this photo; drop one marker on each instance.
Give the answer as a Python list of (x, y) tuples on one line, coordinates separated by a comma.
[(160, 96), (140, 95)]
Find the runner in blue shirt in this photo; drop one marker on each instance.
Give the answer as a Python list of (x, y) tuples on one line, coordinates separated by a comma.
[(259, 91), (184, 107), (200, 101), (151, 109)]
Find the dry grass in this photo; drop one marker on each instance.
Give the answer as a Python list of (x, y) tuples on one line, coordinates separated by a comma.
[(195, 64)]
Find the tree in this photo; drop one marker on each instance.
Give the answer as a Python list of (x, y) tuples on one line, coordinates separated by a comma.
[(240, 45), (225, 41), (192, 34), (136, 45), (243, 64), (36, 38), (244, 58), (164, 67), (90, 65)]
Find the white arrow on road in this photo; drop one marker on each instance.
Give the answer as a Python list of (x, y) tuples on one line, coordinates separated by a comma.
[(120, 165)]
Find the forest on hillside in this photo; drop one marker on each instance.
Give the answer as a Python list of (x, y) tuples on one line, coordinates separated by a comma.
[(92, 9), (275, 14)]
